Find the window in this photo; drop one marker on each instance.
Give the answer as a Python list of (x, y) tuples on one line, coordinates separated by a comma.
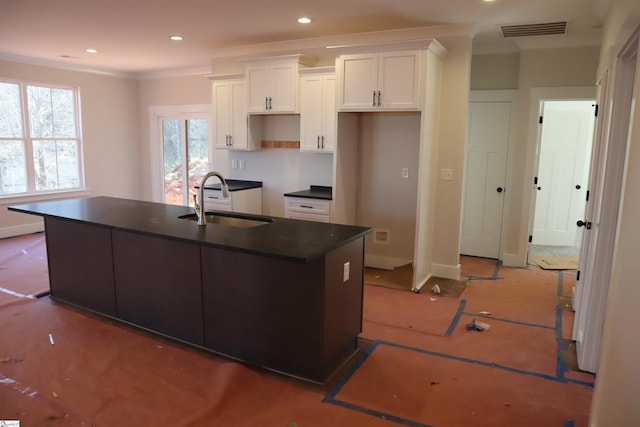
[(40, 145), (185, 158)]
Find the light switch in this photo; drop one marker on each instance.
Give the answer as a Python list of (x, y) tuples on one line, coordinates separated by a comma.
[(446, 175), (405, 172), (345, 274)]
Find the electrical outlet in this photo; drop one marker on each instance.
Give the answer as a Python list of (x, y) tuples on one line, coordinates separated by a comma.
[(242, 164), (234, 164), (446, 175), (345, 273), (405, 172)]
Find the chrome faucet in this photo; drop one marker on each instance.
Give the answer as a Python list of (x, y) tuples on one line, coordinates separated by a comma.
[(202, 219)]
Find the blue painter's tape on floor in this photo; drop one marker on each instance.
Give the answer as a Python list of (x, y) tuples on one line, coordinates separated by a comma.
[(456, 318), (560, 282)]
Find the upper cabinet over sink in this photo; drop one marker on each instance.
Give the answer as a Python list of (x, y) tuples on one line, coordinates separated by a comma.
[(273, 83)]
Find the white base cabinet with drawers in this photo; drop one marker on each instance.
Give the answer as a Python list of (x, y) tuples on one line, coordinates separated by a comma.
[(307, 209), (242, 201)]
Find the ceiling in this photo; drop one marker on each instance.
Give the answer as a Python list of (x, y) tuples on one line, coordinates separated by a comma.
[(132, 36)]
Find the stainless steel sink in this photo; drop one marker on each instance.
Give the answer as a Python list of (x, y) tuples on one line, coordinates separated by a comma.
[(231, 220)]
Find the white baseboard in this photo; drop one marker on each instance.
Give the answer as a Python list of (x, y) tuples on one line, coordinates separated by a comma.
[(19, 230), (446, 271), (383, 262), (514, 260)]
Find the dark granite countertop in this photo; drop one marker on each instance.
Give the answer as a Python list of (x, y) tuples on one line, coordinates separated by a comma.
[(289, 239), (234, 184), (314, 192)]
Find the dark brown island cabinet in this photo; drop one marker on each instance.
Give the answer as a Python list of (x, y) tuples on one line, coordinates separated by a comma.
[(285, 295)]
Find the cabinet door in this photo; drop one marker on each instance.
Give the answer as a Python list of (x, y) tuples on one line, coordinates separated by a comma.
[(284, 92), (399, 80), (221, 114), (258, 81), (311, 111), (359, 76), (329, 114), (81, 264), (318, 113), (158, 284), (238, 110)]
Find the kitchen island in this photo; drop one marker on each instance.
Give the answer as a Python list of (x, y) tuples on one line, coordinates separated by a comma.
[(282, 294)]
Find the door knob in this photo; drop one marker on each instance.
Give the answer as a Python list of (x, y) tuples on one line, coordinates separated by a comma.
[(585, 224), (539, 188), (578, 187), (499, 189)]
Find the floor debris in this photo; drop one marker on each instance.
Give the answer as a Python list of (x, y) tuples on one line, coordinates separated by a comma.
[(478, 326)]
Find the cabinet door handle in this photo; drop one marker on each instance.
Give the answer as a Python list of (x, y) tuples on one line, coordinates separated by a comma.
[(322, 145), (269, 103), (306, 206), (374, 98), (230, 141), (379, 97), (266, 102), (318, 144)]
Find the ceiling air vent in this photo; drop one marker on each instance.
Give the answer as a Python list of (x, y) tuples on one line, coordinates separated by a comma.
[(539, 29)]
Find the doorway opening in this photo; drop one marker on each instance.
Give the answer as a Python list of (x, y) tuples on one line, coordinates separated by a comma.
[(561, 182)]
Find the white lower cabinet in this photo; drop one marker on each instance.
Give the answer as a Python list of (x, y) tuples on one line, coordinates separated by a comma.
[(307, 209), (241, 201)]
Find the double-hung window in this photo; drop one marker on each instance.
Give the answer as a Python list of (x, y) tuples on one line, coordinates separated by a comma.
[(40, 143)]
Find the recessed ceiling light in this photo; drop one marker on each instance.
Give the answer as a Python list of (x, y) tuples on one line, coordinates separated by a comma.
[(304, 20), (91, 50), (176, 38)]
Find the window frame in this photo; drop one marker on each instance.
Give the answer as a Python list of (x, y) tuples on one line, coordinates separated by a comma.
[(32, 194)]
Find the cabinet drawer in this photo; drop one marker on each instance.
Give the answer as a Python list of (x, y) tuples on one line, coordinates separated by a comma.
[(307, 216), (314, 206), (215, 196), (218, 207)]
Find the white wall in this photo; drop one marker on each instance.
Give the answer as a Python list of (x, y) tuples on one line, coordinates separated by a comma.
[(110, 130)]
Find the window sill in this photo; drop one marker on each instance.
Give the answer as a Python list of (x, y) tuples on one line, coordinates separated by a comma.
[(43, 197)]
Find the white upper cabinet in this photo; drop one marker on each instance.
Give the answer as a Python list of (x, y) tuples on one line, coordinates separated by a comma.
[(318, 109), (379, 81), (273, 83), (230, 113)]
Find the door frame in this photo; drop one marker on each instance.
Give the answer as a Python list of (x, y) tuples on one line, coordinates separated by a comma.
[(156, 115), (537, 95), (510, 96)]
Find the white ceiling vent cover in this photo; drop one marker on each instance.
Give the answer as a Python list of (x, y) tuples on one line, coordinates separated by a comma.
[(539, 29)]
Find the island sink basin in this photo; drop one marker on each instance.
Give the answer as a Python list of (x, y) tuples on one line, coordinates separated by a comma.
[(231, 220)]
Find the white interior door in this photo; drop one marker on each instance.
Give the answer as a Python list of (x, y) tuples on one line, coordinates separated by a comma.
[(613, 138), (565, 150), (484, 177)]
